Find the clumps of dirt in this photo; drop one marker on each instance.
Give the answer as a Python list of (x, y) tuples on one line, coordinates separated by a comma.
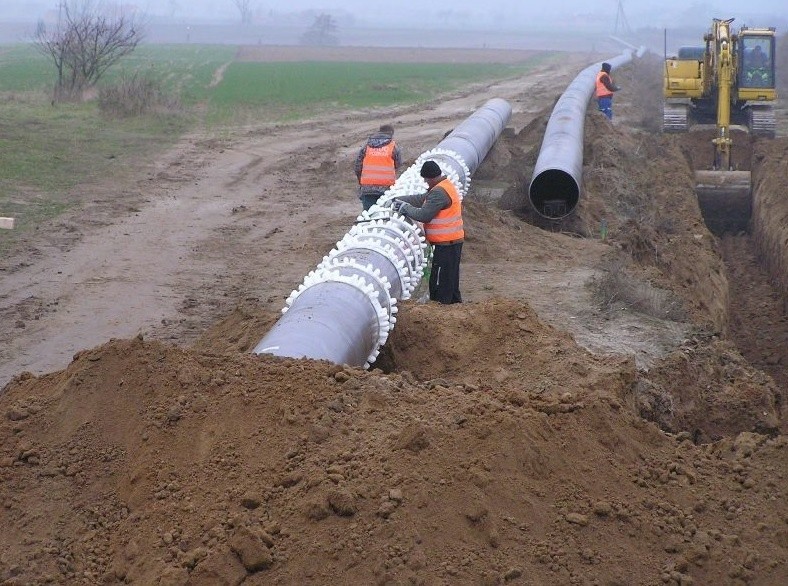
[(699, 150), (517, 456), (511, 162), (708, 389), (643, 79), (506, 349), (620, 286), (239, 332), (663, 262)]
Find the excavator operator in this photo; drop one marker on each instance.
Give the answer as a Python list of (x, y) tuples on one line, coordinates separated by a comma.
[(756, 72)]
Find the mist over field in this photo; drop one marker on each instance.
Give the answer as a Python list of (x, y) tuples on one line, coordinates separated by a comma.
[(461, 14), (502, 24)]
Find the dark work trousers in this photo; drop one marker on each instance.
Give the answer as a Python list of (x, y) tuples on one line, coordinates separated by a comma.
[(445, 273), (371, 197), (606, 106)]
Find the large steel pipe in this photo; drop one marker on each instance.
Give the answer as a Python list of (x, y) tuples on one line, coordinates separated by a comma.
[(473, 138), (556, 185), (345, 308), (312, 333)]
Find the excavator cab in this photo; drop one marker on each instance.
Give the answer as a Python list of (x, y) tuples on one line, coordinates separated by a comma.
[(755, 78), (756, 69)]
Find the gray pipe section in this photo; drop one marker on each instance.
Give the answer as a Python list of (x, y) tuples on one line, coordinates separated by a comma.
[(555, 188), (309, 328), (345, 308), (474, 137)]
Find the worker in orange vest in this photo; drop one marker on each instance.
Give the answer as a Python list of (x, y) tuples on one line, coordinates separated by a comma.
[(376, 165), (604, 91), (440, 210)]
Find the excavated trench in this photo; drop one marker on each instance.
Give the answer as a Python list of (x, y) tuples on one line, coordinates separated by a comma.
[(749, 244), (758, 263)]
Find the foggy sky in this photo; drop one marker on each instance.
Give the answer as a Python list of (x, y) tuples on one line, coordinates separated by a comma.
[(478, 13)]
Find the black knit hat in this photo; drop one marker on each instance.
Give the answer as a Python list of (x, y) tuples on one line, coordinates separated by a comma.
[(430, 170), (606, 67)]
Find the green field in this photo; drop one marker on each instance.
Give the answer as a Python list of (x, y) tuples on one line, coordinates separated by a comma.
[(291, 90), (47, 150)]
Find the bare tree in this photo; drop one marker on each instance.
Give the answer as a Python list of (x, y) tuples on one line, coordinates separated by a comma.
[(245, 8), (321, 33), (85, 41)]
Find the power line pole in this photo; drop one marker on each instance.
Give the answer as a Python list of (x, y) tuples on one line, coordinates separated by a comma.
[(621, 19)]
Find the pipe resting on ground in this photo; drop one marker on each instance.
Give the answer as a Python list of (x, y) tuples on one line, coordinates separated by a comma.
[(345, 309), (558, 175)]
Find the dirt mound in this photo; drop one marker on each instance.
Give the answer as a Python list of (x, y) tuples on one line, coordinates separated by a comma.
[(150, 464)]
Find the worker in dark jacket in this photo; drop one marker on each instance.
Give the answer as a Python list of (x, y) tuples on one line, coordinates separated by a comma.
[(604, 91), (376, 165), (440, 210)]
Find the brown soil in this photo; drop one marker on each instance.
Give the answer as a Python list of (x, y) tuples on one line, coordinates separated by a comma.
[(595, 413)]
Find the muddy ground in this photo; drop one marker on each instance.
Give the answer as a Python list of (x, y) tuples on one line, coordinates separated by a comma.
[(599, 410)]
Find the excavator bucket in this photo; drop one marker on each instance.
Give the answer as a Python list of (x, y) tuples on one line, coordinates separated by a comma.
[(725, 199)]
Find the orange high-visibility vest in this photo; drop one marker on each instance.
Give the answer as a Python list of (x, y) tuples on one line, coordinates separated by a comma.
[(377, 167), (601, 90), (446, 226)]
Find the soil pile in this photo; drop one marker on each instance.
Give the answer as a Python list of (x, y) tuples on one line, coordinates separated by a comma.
[(486, 446), (149, 464)]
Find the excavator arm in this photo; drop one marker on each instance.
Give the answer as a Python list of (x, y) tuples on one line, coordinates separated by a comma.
[(724, 72), (724, 195)]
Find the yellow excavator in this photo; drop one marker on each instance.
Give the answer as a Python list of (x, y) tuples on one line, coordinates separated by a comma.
[(728, 82)]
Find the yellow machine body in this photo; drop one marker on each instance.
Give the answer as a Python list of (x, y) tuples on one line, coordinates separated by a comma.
[(683, 78), (737, 63), (728, 81)]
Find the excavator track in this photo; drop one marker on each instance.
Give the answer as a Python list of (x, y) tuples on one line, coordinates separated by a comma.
[(761, 120), (675, 118)]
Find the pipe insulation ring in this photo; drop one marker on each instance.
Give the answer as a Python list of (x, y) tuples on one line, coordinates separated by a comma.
[(384, 215), (452, 165), (351, 266), (391, 229), (349, 244), (397, 247)]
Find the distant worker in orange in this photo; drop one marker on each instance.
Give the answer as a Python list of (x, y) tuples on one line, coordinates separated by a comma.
[(604, 91), (376, 165), (440, 210)]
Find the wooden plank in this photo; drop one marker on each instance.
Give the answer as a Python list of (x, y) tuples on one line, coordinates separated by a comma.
[(7, 223)]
